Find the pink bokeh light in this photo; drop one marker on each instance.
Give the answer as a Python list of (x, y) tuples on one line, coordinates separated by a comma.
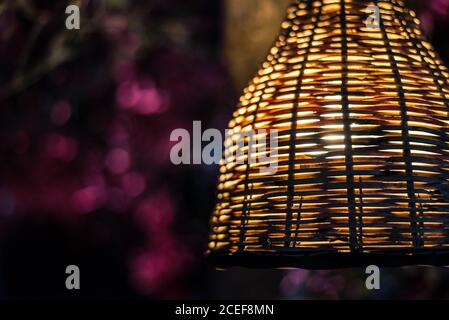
[(141, 97), (61, 147), (88, 199), (133, 184), (118, 160)]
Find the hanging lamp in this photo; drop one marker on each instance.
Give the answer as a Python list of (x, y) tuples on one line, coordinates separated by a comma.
[(362, 164)]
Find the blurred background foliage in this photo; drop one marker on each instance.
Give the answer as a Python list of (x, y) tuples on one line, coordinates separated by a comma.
[(85, 176)]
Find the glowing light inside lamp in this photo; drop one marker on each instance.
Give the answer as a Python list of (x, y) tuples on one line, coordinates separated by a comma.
[(363, 153)]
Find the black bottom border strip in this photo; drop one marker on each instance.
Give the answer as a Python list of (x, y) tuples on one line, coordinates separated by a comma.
[(238, 309)]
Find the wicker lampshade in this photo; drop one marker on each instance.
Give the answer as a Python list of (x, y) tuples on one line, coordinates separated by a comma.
[(362, 165)]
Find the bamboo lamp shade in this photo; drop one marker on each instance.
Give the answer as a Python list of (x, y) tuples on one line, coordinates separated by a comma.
[(362, 162)]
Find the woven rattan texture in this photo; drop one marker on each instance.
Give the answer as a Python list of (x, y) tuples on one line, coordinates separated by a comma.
[(362, 164)]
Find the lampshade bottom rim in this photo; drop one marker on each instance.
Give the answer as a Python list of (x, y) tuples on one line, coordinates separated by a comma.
[(325, 261)]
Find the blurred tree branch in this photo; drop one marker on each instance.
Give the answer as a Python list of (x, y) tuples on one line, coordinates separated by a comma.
[(62, 48)]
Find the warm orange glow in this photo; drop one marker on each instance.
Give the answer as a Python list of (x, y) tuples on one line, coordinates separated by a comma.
[(366, 168)]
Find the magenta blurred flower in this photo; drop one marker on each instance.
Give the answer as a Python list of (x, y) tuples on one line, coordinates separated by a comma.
[(156, 214), (118, 160), (292, 281), (153, 270), (88, 199), (128, 94), (141, 97), (133, 184), (440, 7)]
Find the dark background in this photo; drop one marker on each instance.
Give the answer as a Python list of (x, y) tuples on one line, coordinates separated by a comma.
[(85, 176)]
